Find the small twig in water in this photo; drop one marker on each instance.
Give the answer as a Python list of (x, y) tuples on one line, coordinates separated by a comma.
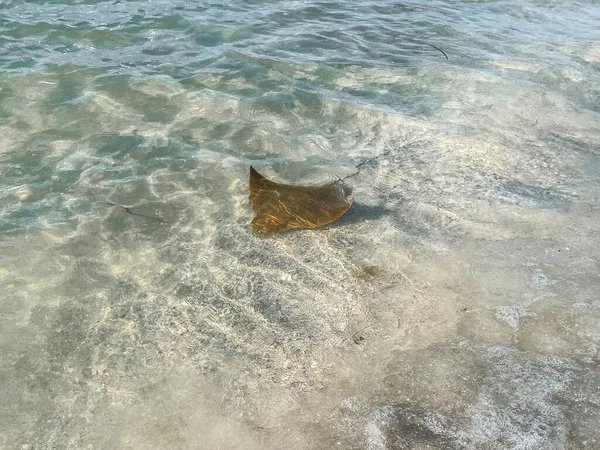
[(129, 210), (363, 163), (438, 49)]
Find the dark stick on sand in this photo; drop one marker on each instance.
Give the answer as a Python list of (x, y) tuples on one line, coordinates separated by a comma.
[(129, 210), (438, 49)]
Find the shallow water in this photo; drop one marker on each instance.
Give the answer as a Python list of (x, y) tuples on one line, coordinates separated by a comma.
[(454, 306)]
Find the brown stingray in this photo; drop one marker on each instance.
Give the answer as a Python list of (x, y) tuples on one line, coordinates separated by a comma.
[(284, 206)]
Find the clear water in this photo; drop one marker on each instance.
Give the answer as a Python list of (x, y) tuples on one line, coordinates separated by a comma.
[(455, 306)]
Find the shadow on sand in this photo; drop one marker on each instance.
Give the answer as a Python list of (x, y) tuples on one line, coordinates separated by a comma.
[(360, 213)]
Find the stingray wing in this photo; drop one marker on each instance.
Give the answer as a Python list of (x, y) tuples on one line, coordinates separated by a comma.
[(260, 189)]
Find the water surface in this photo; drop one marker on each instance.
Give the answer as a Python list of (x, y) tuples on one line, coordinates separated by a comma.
[(454, 306)]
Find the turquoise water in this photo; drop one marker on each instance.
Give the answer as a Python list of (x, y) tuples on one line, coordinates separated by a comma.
[(454, 306)]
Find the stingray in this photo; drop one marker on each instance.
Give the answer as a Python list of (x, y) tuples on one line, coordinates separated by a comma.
[(285, 206)]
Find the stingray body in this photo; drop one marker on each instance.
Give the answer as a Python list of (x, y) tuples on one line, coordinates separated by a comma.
[(285, 206)]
